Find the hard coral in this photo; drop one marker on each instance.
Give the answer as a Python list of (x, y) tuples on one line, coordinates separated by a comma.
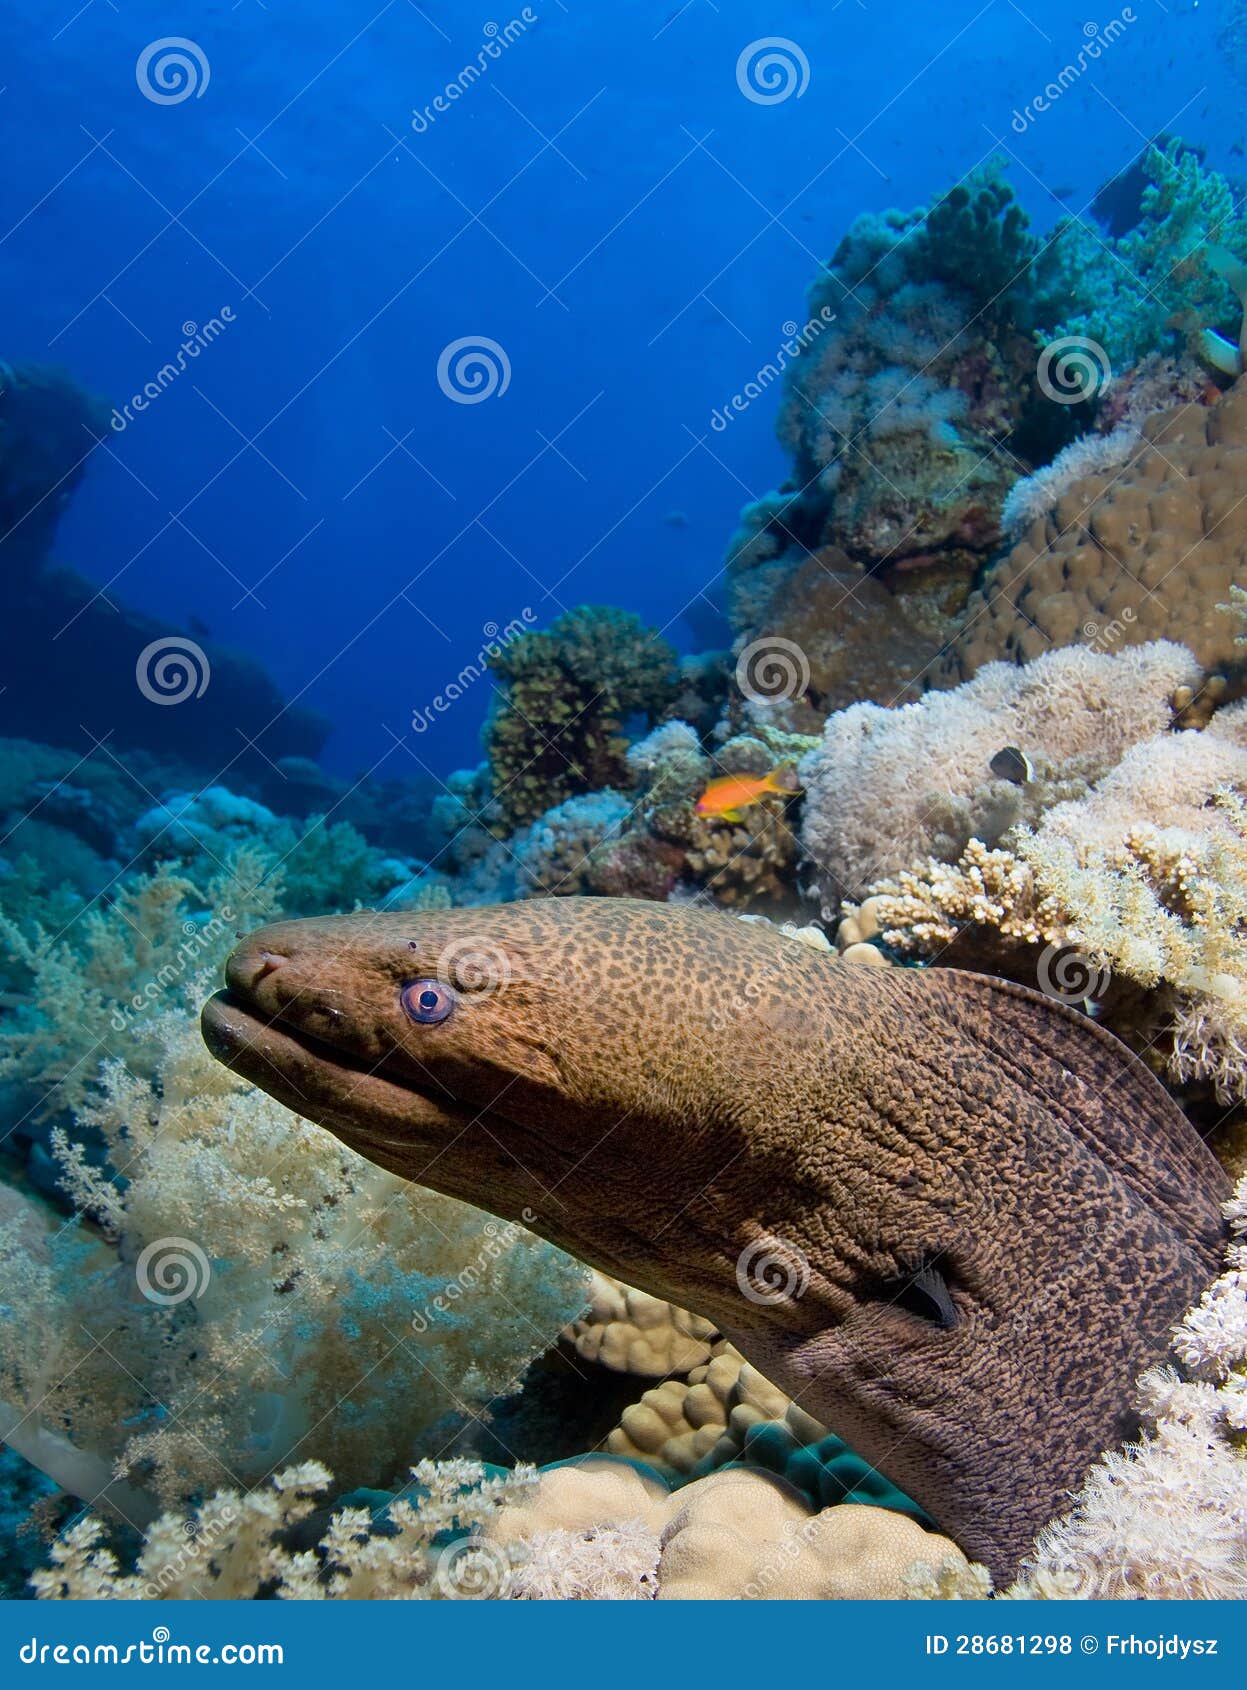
[(894, 412), (1145, 550), (566, 694), (631, 1332)]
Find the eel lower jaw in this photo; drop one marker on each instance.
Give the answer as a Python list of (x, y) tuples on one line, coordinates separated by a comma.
[(390, 1124)]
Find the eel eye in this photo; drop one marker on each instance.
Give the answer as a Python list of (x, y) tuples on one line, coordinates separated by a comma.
[(427, 1001)]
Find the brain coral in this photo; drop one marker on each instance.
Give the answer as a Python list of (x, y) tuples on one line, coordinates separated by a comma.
[(738, 1534), (1128, 554)]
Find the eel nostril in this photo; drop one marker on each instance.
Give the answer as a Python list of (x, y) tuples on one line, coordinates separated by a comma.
[(267, 962)]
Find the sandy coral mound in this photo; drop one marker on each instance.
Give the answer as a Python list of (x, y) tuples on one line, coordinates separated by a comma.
[(682, 1422), (739, 1534), (745, 1535), (631, 1332), (888, 788), (1146, 549)]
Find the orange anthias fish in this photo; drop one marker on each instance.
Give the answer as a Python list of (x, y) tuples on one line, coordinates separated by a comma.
[(732, 794)]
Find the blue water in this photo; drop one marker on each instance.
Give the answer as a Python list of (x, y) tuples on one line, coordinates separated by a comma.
[(602, 203)]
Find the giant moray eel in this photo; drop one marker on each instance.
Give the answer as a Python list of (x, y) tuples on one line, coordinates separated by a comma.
[(950, 1217)]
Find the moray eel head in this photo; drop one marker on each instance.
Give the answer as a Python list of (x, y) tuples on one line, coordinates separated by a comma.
[(951, 1218), (516, 1059)]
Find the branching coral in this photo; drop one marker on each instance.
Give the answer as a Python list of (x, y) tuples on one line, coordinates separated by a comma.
[(1134, 289), (567, 692), (1144, 878), (238, 1546)]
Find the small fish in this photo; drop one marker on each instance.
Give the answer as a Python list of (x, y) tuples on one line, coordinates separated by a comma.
[(1011, 764), (729, 796)]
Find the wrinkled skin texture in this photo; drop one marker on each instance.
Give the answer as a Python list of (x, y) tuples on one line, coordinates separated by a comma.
[(983, 1215)]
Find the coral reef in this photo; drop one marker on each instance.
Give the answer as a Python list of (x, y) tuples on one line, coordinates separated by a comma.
[(631, 1332), (1141, 883), (274, 1273), (296, 1268), (557, 728), (1145, 550), (1015, 637), (896, 414), (1150, 288), (237, 1545), (888, 788)]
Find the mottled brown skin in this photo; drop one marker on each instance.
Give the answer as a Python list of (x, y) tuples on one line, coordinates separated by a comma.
[(666, 1088)]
